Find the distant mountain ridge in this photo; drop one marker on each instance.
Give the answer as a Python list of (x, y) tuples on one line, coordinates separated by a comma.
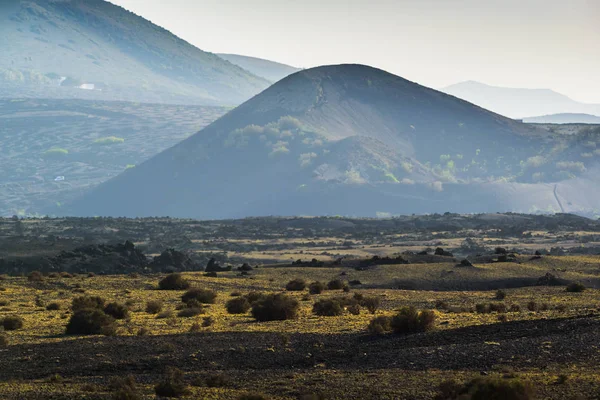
[(96, 50), (517, 102), (566, 118), (355, 140), (270, 70)]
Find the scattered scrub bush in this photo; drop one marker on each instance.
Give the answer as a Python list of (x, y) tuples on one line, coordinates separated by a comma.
[(489, 388), (116, 310), (316, 287), (154, 306), (410, 320), (275, 307), (12, 323), (172, 384), (173, 282), (575, 288), (238, 305), (335, 284), (328, 308), (204, 296), (295, 285), (91, 322)]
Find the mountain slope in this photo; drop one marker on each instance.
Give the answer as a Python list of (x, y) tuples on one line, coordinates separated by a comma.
[(270, 70), (519, 103), (349, 139), (94, 49)]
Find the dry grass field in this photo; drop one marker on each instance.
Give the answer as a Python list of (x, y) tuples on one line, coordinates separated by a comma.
[(503, 322)]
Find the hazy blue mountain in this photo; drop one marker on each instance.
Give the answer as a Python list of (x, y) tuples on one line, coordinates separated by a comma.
[(564, 119), (519, 103), (95, 50), (270, 70), (355, 140)]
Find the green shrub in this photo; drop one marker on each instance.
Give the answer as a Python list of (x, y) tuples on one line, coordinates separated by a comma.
[(532, 306), (125, 389), (87, 302), (3, 340), (275, 307), (116, 310), (53, 306), (216, 381), (253, 297), (296, 285), (238, 305), (173, 282), (91, 322), (575, 288), (410, 320), (35, 276), (335, 284), (486, 388), (154, 306), (252, 396), (380, 325), (354, 309), (172, 384), (109, 140), (204, 296), (12, 323), (316, 287), (328, 308), (371, 303), (500, 295)]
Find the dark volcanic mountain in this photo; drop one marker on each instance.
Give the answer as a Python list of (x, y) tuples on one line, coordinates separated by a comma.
[(95, 50), (354, 140)]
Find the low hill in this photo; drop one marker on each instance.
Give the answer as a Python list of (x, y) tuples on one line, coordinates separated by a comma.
[(564, 119), (93, 49), (354, 140), (270, 70), (519, 103)]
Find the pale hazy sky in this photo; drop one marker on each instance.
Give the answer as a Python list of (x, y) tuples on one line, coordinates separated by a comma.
[(518, 43)]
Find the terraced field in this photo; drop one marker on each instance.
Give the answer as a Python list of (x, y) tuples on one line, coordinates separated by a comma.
[(84, 142)]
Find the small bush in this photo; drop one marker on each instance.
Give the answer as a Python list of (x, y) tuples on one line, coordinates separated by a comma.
[(575, 288), (154, 306), (532, 306), (328, 308), (371, 303), (87, 302), (380, 325), (497, 307), (482, 308), (354, 309), (12, 323), (410, 320), (441, 305), (335, 284), (35, 276), (238, 305), (500, 295), (253, 297), (3, 340), (514, 308), (252, 396), (116, 310), (295, 285), (91, 322), (316, 287), (53, 306), (216, 381), (207, 321), (275, 307), (173, 282), (125, 389), (165, 314), (190, 312), (490, 388), (172, 384), (204, 296)]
